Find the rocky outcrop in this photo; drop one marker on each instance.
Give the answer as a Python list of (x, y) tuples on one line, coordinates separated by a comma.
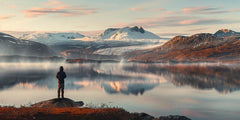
[(137, 29), (226, 33), (144, 116), (58, 103), (66, 109), (172, 117)]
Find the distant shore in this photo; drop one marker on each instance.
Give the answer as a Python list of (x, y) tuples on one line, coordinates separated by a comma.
[(33, 59)]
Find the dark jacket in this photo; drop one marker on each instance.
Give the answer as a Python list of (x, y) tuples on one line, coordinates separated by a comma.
[(61, 75)]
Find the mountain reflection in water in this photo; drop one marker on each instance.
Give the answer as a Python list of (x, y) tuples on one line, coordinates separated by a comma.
[(223, 78), (123, 78)]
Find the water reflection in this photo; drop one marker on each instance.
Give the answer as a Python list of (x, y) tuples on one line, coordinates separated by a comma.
[(150, 88), (10, 78), (125, 79), (223, 78)]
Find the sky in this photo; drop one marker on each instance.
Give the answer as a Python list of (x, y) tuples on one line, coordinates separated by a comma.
[(162, 17)]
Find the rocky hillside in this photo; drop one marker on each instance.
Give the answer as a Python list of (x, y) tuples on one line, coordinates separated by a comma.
[(10, 45), (198, 47)]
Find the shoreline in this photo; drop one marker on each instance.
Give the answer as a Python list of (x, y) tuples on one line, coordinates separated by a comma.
[(73, 113), (67, 109)]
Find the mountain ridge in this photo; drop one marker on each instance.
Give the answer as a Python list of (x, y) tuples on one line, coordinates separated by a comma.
[(198, 47), (51, 37), (10, 45), (127, 33)]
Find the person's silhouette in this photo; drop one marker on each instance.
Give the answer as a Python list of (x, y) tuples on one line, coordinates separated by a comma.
[(61, 75)]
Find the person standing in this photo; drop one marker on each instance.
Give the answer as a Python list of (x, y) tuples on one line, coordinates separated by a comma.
[(61, 75)]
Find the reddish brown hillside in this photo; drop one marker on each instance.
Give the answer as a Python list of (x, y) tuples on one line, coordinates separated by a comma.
[(199, 47), (35, 113), (28, 113)]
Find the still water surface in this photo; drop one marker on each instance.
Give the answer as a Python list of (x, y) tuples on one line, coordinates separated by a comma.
[(198, 91)]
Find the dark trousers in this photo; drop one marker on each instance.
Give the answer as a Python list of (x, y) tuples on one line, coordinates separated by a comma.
[(61, 88)]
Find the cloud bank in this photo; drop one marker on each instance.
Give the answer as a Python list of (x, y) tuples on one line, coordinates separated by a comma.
[(57, 7)]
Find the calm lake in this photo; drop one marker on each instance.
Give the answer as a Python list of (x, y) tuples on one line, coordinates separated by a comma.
[(198, 91)]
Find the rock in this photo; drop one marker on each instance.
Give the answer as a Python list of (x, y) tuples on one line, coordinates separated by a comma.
[(172, 117), (226, 33), (58, 103), (142, 116), (141, 30)]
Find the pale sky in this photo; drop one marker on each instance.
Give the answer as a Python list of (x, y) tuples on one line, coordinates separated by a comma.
[(162, 17)]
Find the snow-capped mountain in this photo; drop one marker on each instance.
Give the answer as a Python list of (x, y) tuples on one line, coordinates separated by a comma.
[(13, 46), (127, 33), (18, 34), (226, 33), (108, 43), (50, 38)]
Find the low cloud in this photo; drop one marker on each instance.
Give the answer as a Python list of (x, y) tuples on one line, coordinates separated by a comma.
[(12, 6), (137, 9), (36, 11), (171, 21), (3, 17), (157, 10), (203, 10), (234, 10), (207, 10), (52, 2), (57, 7), (199, 21), (62, 10), (188, 22), (197, 29), (185, 17), (197, 9)]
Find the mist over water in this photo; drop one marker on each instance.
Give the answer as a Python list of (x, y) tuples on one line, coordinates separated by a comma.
[(199, 91)]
